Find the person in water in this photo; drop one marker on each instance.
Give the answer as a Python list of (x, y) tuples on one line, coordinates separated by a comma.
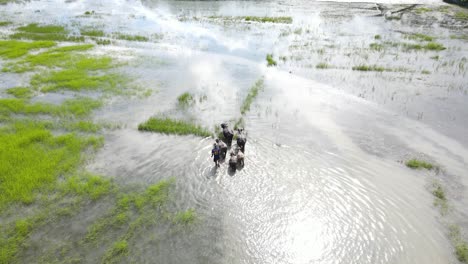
[(241, 139), (227, 133), (233, 161), (222, 147), (215, 154)]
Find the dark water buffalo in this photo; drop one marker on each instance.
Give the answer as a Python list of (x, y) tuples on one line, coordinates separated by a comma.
[(223, 147), (241, 139), (227, 133), (233, 161)]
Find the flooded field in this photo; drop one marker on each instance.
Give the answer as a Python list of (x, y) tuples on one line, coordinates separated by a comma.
[(356, 114)]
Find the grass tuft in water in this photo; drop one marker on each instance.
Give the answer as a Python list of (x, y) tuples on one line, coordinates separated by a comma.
[(285, 20), (418, 164), (322, 65), (253, 92), (425, 72), (461, 247), (377, 37), (462, 15), (92, 33), (419, 36), (422, 10), (46, 32), (368, 68), (376, 46), (270, 60), (80, 107), (20, 92), (429, 46), (438, 192), (185, 218), (131, 37), (185, 99), (89, 185), (461, 250), (119, 249), (5, 23), (170, 126), (12, 49)]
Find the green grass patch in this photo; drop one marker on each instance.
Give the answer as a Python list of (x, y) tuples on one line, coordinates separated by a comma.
[(283, 19), (20, 92), (92, 33), (377, 37), (322, 66), (45, 32), (461, 251), (12, 49), (119, 249), (376, 46), (425, 72), (51, 37), (185, 218), (5, 23), (82, 126), (463, 37), (185, 99), (419, 164), (76, 80), (47, 29), (66, 56), (422, 10), (434, 46), (419, 36), (170, 126), (461, 247), (31, 158), (368, 68), (253, 92), (270, 60), (80, 107), (429, 46), (240, 123), (87, 185), (73, 70), (131, 37), (462, 15), (102, 41), (438, 192)]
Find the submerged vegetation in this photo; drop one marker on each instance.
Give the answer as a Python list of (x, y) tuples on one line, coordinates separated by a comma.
[(322, 66), (281, 19), (253, 92), (368, 68), (419, 164), (461, 246), (43, 147), (287, 20), (170, 126), (270, 60), (185, 99), (46, 32), (131, 37), (419, 36)]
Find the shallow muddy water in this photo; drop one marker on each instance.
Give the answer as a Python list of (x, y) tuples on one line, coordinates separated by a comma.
[(323, 180)]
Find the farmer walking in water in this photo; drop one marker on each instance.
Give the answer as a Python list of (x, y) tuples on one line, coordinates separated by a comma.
[(215, 154)]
